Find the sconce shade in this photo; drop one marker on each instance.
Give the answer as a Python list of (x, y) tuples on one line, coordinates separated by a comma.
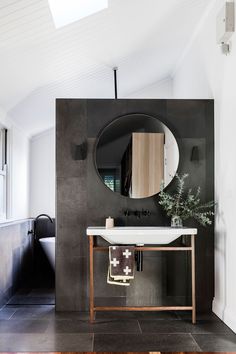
[(79, 152), (195, 154)]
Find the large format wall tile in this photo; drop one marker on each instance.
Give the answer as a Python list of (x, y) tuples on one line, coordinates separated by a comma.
[(70, 131), (71, 284), (16, 258), (83, 200)]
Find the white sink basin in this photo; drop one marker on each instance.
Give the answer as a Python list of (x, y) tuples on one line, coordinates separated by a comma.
[(133, 235)]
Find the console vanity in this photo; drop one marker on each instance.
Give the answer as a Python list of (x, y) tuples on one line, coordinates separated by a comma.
[(154, 239)]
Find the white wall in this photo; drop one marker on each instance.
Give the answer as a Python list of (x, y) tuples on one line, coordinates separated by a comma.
[(42, 173), (206, 73), (160, 89), (18, 187)]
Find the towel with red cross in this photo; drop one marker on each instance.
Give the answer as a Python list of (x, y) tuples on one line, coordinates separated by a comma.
[(121, 265)]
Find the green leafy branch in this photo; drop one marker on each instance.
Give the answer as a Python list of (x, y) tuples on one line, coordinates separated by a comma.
[(186, 204)]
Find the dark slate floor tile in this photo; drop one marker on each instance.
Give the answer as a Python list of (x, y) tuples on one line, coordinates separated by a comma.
[(183, 326), (46, 343), (200, 316), (216, 342), (160, 315), (145, 342), (23, 326), (69, 315), (47, 312), (31, 300), (115, 315), (156, 326), (106, 326), (42, 293), (42, 312), (33, 306), (210, 327), (23, 292), (7, 313)]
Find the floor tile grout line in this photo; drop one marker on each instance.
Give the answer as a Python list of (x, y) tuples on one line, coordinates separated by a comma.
[(12, 315), (140, 328), (161, 320), (109, 333), (132, 333), (169, 333), (191, 334), (214, 334), (93, 338)]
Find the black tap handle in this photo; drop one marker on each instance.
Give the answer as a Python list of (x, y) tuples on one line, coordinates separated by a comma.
[(127, 212), (146, 212)]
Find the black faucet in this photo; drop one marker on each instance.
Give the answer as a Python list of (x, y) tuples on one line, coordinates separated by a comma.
[(43, 216), (36, 219), (137, 213)]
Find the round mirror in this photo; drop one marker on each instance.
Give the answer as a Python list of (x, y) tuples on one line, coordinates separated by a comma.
[(134, 154)]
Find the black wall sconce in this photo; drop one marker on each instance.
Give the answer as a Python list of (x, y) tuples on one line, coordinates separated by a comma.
[(79, 152), (195, 154)]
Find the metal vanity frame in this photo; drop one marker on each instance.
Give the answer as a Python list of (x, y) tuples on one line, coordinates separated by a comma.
[(93, 248)]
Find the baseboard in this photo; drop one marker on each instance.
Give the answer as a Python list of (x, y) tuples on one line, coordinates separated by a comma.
[(218, 308), (225, 314), (230, 319)]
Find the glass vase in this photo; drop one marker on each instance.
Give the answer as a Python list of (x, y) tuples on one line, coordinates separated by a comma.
[(176, 221)]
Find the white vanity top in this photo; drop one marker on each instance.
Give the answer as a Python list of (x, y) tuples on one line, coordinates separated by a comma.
[(140, 235)]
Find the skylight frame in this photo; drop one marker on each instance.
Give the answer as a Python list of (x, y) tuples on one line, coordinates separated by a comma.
[(65, 12)]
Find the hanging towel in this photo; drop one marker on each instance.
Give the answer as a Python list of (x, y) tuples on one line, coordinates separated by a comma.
[(121, 265)]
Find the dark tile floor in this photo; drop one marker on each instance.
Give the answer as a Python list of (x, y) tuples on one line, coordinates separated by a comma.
[(38, 328), (33, 297)]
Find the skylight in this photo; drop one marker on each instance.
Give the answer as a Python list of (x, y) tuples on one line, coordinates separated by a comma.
[(65, 12)]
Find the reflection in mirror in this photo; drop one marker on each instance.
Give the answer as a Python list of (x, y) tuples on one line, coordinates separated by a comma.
[(134, 154)]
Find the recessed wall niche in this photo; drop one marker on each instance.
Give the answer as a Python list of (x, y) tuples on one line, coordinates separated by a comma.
[(81, 193)]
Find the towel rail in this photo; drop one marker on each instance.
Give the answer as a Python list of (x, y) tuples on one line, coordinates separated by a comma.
[(144, 248), (142, 308)]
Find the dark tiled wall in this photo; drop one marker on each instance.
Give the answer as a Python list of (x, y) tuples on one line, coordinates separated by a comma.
[(83, 200), (44, 275), (16, 258)]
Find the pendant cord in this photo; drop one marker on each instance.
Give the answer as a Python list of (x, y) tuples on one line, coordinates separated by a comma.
[(115, 81)]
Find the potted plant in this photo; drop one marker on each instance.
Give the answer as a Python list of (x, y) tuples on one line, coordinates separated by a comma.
[(182, 205)]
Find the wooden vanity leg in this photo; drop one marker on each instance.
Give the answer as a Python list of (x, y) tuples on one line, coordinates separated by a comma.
[(91, 280), (193, 279)]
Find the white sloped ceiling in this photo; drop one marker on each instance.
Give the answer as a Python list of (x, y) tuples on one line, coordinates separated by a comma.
[(38, 63)]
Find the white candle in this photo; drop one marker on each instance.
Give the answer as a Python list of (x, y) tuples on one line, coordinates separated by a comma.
[(109, 222)]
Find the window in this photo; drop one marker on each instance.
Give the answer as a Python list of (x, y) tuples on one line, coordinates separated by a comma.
[(111, 178), (3, 173), (65, 12)]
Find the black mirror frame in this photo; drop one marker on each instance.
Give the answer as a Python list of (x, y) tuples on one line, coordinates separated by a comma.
[(97, 142)]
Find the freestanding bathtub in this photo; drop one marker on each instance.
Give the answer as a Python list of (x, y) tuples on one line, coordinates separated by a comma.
[(48, 245)]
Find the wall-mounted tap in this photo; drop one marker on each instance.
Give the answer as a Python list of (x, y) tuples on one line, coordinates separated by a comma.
[(43, 216), (38, 217), (137, 213), (146, 212)]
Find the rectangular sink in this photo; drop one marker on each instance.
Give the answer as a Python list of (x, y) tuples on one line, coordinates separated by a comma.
[(140, 235)]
